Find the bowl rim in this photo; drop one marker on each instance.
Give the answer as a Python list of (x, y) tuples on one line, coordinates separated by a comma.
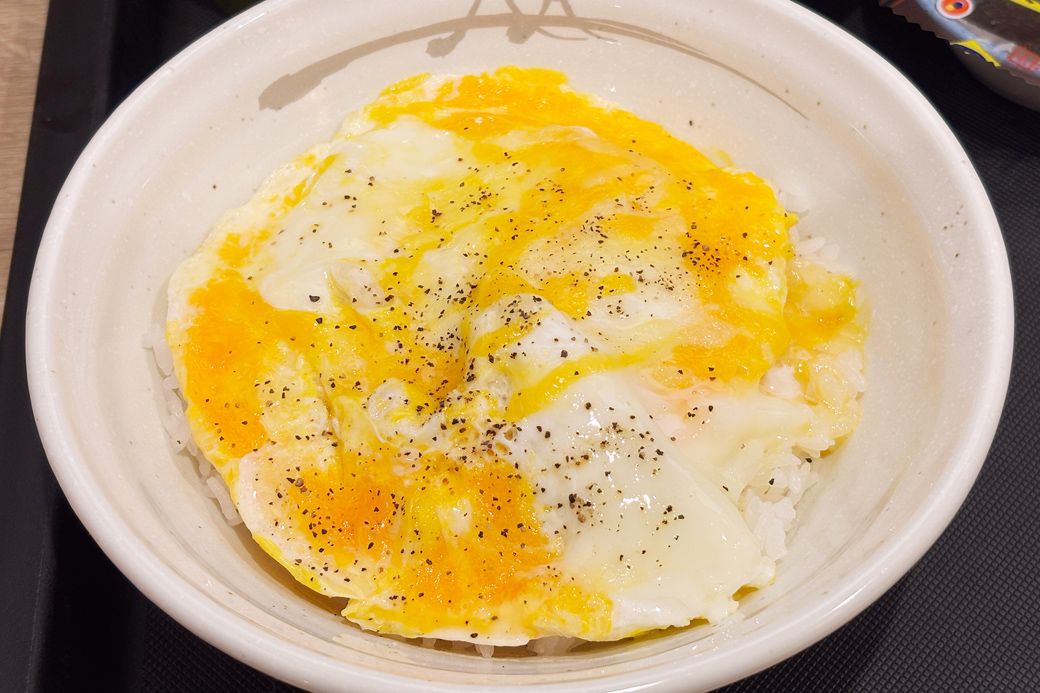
[(221, 626)]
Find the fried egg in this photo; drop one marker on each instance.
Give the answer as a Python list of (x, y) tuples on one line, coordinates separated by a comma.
[(502, 361)]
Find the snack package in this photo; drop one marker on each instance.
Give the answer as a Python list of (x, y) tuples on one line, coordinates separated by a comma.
[(999, 40)]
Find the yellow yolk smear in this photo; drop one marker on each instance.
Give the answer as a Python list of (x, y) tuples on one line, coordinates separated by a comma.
[(377, 351)]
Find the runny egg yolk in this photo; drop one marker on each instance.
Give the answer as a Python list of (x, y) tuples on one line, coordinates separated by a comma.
[(362, 347)]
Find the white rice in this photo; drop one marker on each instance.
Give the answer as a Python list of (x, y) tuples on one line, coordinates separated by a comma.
[(177, 428), (819, 250), (780, 382), (155, 340), (794, 200), (553, 645), (216, 485)]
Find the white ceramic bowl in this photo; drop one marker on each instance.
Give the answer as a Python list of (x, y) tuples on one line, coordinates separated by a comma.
[(785, 93)]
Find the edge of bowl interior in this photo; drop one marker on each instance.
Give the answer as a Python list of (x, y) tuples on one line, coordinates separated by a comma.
[(222, 627)]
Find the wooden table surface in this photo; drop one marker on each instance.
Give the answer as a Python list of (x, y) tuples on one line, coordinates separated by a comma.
[(21, 40)]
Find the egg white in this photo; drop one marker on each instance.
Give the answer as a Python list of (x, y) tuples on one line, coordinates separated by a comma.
[(641, 489)]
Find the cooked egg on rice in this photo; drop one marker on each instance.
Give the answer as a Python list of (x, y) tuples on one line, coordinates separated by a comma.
[(502, 361)]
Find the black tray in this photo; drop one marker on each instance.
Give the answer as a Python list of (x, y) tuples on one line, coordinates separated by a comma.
[(967, 617)]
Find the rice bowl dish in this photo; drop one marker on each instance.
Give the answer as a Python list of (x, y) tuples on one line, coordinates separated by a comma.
[(504, 362), (850, 146)]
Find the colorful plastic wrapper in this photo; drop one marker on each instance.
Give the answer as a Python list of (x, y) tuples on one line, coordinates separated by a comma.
[(1003, 33)]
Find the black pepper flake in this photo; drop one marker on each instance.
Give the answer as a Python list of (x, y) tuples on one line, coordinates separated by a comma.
[(313, 298)]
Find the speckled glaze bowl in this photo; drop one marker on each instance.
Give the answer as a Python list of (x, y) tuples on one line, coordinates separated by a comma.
[(779, 90)]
